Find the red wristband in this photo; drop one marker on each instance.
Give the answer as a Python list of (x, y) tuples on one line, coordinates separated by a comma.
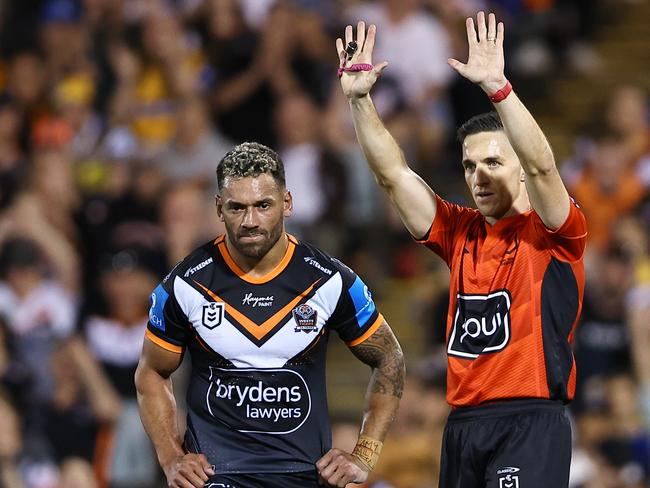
[(501, 94)]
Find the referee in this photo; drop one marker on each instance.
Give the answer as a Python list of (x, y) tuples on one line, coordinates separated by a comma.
[(517, 274)]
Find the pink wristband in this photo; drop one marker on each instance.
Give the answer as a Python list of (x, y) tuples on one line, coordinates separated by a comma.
[(501, 94), (354, 68)]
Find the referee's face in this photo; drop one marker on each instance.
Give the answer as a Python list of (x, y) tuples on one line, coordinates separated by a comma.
[(253, 211), (493, 175)]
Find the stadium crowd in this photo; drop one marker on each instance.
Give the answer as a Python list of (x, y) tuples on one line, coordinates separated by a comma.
[(113, 116)]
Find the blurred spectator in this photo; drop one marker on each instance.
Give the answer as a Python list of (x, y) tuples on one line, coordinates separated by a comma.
[(149, 86), (197, 147), (42, 212), (315, 176), (10, 444), (12, 158), (240, 57), (404, 27), (114, 337), (73, 99), (627, 114), (188, 219), (551, 34), (38, 311), (253, 68), (26, 87), (608, 186), (422, 80), (63, 38), (39, 314), (84, 408), (602, 340), (613, 439)]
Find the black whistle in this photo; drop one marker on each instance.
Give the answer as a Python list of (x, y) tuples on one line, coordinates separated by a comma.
[(351, 48)]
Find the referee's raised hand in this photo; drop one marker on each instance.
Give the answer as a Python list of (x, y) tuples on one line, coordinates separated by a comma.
[(485, 63), (357, 84)]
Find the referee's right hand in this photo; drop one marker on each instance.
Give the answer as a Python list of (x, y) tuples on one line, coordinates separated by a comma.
[(188, 471)]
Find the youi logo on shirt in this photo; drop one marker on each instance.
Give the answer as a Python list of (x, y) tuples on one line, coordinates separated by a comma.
[(481, 324), (271, 401)]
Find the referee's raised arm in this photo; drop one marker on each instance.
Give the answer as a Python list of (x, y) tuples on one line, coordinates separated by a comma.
[(485, 67), (412, 197)]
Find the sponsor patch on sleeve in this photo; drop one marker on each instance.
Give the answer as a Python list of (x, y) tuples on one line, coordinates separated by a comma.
[(156, 313), (363, 303)]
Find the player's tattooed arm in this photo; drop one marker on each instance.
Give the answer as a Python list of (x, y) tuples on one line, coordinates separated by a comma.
[(383, 354)]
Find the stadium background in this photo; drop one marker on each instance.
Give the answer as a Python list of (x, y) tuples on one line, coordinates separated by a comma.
[(113, 115)]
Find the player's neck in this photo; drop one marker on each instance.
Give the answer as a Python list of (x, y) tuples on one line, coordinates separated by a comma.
[(259, 267)]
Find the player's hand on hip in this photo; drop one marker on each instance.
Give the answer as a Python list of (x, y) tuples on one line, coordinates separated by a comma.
[(358, 84), (188, 471), (485, 64), (338, 468)]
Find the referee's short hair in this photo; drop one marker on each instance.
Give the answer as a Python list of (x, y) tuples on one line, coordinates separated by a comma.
[(250, 159), (487, 122)]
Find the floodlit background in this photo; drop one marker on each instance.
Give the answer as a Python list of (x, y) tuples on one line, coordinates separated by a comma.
[(114, 114)]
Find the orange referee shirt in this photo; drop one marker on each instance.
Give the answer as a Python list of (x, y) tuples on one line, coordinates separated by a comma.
[(516, 292)]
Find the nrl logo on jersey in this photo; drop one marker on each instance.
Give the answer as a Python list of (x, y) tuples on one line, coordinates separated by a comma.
[(305, 318), (212, 314), (317, 265), (198, 267)]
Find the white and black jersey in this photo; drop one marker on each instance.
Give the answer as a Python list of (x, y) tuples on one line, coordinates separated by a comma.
[(257, 399)]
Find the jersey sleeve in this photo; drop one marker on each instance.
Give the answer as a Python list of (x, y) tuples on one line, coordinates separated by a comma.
[(168, 325), (568, 242), (356, 317), (450, 221)]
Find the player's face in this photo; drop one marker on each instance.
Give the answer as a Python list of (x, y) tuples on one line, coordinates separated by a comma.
[(493, 174), (253, 210)]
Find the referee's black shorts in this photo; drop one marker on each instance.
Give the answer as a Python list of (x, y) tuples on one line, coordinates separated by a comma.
[(515, 444)]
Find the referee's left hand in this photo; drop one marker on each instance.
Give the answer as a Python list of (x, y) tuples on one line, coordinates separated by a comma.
[(485, 63), (338, 468)]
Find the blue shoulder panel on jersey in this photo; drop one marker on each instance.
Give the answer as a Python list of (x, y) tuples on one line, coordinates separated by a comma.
[(362, 299), (156, 313)]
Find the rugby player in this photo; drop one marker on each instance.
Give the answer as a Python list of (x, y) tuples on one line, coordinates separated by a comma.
[(254, 308), (517, 274)]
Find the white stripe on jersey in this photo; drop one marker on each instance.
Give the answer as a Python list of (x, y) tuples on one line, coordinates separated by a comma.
[(229, 342)]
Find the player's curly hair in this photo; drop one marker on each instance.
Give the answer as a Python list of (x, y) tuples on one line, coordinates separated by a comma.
[(250, 159)]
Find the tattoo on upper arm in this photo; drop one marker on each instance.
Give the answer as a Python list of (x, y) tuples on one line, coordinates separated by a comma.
[(382, 352)]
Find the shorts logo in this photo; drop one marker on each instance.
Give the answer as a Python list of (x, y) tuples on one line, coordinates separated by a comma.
[(305, 318), (509, 481), (481, 324), (212, 314)]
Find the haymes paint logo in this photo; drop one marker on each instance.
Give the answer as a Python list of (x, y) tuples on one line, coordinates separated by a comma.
[(271, 401)]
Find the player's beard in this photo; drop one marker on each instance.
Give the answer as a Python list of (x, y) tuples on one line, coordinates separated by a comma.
[(257, 250)]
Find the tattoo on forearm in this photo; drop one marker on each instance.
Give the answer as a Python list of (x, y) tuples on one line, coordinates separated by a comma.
[(382, 352)]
